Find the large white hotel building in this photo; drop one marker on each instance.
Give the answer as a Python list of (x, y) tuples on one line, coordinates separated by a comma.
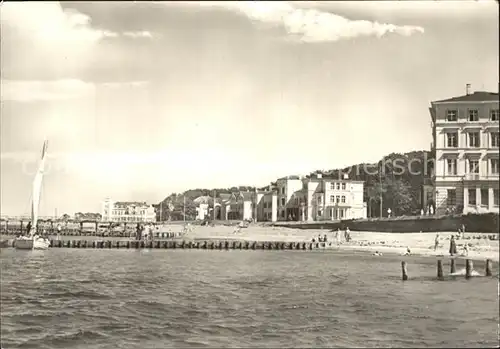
[(466, 147)]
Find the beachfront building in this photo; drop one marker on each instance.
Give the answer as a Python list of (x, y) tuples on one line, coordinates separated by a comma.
[(237, 206), (291, 198), (330, 198), (266, 205), (127, 211), (466, 147), (204, 206)]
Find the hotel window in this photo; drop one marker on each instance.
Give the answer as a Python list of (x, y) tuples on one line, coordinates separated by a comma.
[(452, 139), (495, 197), (473, 115), (341, 213), (319, 200), (494, 139), (283, 201), (494, 166), (451, 198), (338, 186), (343, 199), (282, 190), (474, 140), (451, 115), (332, 186), (332, 199), (338, 199), (343, 186), (494, 115), (473, 166), (320, 212), (452, 166), (472, 197), (484, 197)]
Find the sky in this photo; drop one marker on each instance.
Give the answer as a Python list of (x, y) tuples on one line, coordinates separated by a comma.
[(141, 99)]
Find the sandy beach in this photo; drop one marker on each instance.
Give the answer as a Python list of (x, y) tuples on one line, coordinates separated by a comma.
[(480, 246)]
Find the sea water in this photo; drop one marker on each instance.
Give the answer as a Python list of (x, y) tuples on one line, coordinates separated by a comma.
[(72, 298)]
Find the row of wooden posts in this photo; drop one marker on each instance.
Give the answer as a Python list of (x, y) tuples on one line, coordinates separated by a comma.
[(469, 267)]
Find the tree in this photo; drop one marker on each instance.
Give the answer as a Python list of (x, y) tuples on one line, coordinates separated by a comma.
[(400, 198)]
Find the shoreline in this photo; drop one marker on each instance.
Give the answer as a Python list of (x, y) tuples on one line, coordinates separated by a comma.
[(394, 243)]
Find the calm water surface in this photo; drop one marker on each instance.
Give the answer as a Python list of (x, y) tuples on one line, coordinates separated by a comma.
[(70, 298)]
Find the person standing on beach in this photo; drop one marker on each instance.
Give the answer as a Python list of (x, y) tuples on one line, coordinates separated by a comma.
[(436, 242), (28, 228), (138, 232), (453, 246)]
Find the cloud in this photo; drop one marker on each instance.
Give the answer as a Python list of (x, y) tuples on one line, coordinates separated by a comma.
[(140, 34), (41, 40), (311, 25), (50, 24)]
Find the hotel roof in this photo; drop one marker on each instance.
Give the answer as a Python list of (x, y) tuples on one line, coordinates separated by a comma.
[(478, 96)]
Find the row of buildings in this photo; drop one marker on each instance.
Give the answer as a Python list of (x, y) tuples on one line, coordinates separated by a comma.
[(291, 198), (465, 148)]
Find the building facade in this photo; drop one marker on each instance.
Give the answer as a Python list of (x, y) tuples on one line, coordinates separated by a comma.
[(331, 199), (127, 211), (466, 148), (237, 206)]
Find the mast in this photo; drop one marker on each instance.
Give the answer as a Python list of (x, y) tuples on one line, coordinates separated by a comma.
[(37, 187), (184, 207)]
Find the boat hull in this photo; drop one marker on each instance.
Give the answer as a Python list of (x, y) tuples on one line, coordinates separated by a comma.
[(36, 243)]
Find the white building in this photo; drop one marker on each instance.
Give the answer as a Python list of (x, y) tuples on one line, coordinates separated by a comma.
[(127, 211), (466, 146), (317, 198), (330, 198)]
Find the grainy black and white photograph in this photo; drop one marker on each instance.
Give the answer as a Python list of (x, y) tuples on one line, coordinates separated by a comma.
[(249, 174)]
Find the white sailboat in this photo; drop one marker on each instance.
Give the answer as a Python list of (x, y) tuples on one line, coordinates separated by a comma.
[(33, 241)]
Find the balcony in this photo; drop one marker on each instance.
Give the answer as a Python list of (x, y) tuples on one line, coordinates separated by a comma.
[(478, 177)]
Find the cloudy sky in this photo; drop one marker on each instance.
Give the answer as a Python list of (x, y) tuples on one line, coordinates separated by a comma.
[(139, 100)]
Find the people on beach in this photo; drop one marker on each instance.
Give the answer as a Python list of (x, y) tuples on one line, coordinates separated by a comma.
[(436, 242), (28, 228), (347, 235), (453, 246), (466, 249), (138, 230), (408, 251)]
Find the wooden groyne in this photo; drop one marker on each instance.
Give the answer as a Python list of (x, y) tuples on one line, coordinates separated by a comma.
[(182, 244), (469, 269)]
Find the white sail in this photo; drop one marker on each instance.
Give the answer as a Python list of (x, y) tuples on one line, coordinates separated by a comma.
[(37, 189), (33, 241)]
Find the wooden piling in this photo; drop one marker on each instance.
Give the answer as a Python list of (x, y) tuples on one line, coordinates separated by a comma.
[(488, 268), (469, 267), (404, 271), (440, 270), (452, 266)]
